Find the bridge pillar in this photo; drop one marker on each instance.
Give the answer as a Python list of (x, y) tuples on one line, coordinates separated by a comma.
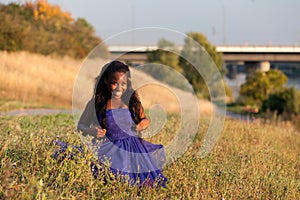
[(263, 66), (251, 67)]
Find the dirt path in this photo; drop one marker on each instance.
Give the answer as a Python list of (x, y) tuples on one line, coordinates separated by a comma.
[(34, 112)]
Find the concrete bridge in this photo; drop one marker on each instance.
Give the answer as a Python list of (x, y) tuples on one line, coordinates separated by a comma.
[(251, 57)]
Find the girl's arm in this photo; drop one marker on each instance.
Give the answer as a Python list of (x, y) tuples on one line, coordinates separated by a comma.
[(86, 120), (144, 123), (140, 116)]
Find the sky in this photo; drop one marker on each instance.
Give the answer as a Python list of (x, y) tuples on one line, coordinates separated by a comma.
[(223, 22)]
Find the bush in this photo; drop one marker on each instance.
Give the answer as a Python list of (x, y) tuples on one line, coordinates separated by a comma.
[(284, 101), (260, 85)]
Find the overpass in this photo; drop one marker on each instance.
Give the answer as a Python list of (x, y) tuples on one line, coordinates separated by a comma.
[(252, 57)]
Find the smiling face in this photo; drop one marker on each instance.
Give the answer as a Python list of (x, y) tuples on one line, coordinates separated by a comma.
[(117, 84)]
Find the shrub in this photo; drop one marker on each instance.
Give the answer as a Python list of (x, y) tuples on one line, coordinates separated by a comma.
[(284, 101), (260, 85)]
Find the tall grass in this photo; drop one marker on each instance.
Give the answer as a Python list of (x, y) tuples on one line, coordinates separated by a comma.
[(31, 80), (250, 161), (255, 160), (35, 78)]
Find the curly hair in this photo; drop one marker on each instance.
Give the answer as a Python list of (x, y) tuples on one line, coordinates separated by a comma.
[(102, 93)]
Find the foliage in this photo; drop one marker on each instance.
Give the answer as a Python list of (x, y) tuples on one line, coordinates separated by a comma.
[(166, 75), (260, 85), (198, 51), (267, 90), (166, 54), (285, 101), (40, 27), (164, 64), (251, 161), (206, 45)]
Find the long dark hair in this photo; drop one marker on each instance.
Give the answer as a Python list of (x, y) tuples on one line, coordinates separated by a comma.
[(102, 93)]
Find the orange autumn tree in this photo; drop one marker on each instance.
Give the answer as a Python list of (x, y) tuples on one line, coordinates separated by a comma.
[(44, 28), (42, 10)]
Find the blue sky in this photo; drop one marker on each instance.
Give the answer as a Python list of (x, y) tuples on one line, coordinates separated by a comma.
[(222, 21)]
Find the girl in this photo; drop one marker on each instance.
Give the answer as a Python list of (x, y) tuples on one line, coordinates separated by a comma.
[(120, 116)]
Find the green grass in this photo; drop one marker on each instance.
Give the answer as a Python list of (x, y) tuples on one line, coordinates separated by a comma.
[(250, 161), (234, 107)]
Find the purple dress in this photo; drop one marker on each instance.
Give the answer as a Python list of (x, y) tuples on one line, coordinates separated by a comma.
[(128, 154)]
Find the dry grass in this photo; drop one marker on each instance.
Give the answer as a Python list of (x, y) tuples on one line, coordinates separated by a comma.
[(36, 78), (153, 92), (44, 80), (254, 160)]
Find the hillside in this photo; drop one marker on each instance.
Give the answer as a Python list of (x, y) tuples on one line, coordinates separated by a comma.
[(40, 80), (36, 79)]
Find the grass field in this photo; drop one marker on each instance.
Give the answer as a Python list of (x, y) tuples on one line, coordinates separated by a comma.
[(35, 81), (252, 160)]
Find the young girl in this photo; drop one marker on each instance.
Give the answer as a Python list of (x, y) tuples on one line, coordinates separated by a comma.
[(120, 116)]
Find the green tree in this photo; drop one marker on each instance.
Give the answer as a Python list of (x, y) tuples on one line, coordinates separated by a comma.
[(14, 28), (40, 27), (200, 53), (190, 47), (286, 100), (85, 39), (260, 85), (166, 54), (163, 61)]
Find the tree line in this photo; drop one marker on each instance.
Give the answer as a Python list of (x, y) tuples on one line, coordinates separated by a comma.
[(198, 61), (40, 27), (262, 92)]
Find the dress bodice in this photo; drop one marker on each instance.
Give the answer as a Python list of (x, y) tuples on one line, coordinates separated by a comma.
[(127, 153), (119, 124)]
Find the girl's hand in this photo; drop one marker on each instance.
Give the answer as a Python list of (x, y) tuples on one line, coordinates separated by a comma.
[(98, 132), (142, 125)]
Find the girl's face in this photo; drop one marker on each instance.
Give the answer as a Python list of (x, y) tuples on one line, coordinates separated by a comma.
[(117, 84)]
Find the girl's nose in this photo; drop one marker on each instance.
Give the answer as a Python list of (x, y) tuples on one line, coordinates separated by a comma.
[(118, 87)]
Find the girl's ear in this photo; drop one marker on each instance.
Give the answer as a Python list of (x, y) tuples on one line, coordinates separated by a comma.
[(105, 81)]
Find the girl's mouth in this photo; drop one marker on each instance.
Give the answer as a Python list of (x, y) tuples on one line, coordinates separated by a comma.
[(117, 94)]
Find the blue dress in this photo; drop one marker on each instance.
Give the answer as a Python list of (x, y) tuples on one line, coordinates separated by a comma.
[(128, 154)]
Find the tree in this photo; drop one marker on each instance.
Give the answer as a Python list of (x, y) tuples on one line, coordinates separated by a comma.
[(166, 54), (260, 85), (40, 27), (284, 101), (198, 52), (189, 45), (164, 64), (14, 28)]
